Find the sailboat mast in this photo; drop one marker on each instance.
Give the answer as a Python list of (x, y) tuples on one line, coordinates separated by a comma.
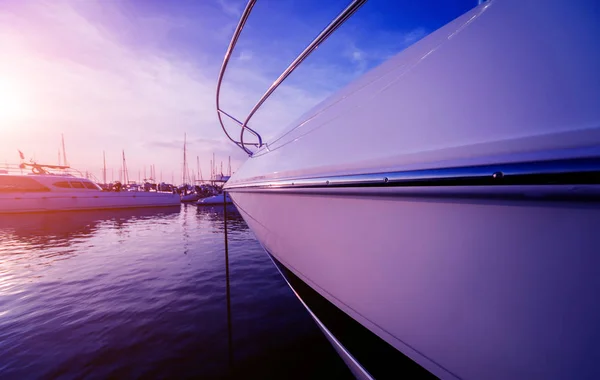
[(64, 150), (104, 163), (184, 158), (125, 175)]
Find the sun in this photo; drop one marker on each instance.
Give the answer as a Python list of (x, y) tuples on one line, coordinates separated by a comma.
[(13, 104)]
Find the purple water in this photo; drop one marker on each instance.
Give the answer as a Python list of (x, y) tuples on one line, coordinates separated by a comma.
[(141, 293)]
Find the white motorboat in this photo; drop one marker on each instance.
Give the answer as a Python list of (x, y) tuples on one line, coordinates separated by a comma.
[(43, 190), (215, 200), (190, 197), (440, 214)]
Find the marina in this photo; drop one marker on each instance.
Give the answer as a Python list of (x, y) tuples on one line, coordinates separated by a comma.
[(411, 191)]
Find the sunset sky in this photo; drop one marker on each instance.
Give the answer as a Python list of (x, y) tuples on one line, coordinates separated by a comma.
[(138, 74)]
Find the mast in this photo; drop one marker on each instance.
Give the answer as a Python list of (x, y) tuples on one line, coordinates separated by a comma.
[(184, 159), (104, 171), (198, 167), (125, 176), (59, 158), (64, 150), (200, 171), (229, 167)]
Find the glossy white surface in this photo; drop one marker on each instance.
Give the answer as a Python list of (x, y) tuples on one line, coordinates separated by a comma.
[(471, 289), (214, 200), (468, 289), (510, 80)]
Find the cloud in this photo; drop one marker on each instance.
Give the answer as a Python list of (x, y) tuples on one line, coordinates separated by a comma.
[(245, 55), (231, 7), (112, 78), (103, 94)]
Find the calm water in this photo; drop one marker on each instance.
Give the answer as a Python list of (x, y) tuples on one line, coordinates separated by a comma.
[(141, 293)]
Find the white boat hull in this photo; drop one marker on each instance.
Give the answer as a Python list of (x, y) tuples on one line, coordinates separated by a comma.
[(473, 289), (190, 198), (214, 200), (86, 200), (448, 200)]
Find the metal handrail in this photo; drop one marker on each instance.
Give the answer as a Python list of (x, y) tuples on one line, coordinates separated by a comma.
[(325, 33)]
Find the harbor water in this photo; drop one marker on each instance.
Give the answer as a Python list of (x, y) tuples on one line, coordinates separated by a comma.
[(142, 293)]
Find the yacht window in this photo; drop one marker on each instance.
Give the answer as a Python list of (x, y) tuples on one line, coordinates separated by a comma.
[(77, 185), (63, 184), (20, 184), (91, 186)]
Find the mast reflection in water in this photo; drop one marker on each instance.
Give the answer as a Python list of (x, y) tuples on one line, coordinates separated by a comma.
[(135, 293)]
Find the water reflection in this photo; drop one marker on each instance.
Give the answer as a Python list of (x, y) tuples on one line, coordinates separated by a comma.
[(63, 228), (216, 215), (143, 293)]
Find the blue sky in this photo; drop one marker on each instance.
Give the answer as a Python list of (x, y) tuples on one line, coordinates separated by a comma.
[(137, 74)]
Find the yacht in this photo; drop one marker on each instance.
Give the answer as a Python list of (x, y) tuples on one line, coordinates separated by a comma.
[(51, 188), (439, 215)]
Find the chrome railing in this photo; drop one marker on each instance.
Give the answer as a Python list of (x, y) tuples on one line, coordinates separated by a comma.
[(332, 27)]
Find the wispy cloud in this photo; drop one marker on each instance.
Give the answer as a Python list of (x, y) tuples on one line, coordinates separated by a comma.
[(233, 8), (113, 78), (107, 95)]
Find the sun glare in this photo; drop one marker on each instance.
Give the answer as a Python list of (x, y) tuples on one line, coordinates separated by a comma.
[(12, 102)]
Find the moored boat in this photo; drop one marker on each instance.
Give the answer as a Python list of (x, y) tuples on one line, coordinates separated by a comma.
[(215, 200), (438, 214), (44, 190)]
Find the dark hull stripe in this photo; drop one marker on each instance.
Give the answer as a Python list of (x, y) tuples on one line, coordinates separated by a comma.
[(581, 171), (378, 357)]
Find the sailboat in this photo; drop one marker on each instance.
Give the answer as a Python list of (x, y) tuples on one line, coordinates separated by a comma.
[(438, 216)]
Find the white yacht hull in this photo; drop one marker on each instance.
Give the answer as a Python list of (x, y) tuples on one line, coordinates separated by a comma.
[(444, 206), (473, 289), (86, 200)]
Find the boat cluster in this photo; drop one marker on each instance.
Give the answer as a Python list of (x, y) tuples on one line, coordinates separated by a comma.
[(57, 188), (204, 194)]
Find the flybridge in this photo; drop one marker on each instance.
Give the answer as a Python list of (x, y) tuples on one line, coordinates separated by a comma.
[(332, 27), (33, 168)]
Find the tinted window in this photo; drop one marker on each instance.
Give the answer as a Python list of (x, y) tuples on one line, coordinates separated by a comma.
[(63, 184), (20, 184), (91, 186), (77, 185)]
